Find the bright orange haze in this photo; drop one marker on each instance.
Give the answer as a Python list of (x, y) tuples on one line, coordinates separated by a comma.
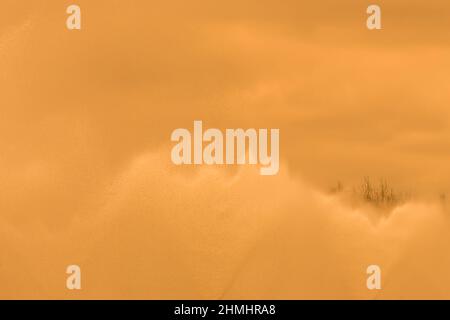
[(85, 170)]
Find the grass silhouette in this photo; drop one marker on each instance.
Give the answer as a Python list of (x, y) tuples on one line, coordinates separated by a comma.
[(381, 195)]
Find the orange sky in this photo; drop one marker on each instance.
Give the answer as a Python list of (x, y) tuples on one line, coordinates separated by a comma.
[(85, 170)]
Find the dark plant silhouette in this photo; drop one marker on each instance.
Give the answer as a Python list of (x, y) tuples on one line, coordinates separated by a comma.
[(381, 195)]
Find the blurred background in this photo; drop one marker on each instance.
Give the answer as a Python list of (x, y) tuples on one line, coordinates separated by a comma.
[(85, 170)]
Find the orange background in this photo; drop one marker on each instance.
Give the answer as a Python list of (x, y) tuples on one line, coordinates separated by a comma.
[(85, 170)]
